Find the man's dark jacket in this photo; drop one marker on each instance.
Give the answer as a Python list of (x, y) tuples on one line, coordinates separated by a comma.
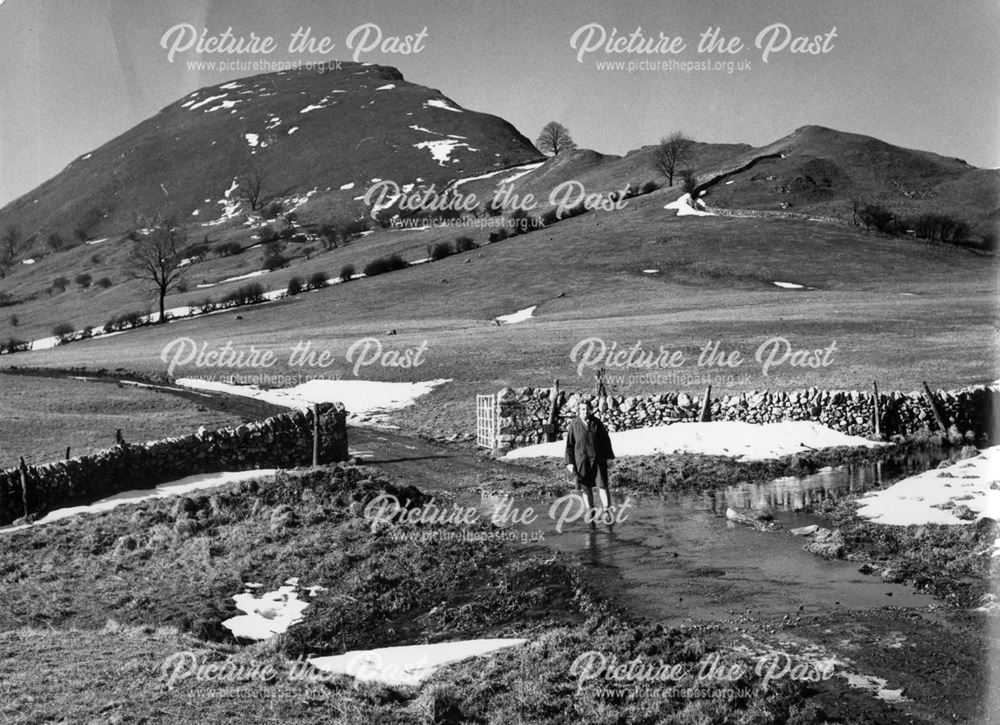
[(587, 443)]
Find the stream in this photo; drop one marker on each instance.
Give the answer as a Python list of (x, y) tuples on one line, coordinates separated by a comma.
[(682, 560)]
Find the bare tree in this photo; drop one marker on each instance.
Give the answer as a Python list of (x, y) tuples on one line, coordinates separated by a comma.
[(672, 151), (11, 244), (251, 186), (156, 258), (555, 139)]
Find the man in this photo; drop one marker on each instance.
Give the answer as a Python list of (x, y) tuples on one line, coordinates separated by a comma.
[(588, 450)]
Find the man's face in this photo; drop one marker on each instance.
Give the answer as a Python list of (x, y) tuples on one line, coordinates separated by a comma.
[(584, 411)]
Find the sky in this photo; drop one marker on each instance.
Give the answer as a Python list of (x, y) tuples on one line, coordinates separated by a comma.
[(916, 73)]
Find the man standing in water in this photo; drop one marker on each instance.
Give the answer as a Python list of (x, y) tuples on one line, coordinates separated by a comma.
[(588, 450)]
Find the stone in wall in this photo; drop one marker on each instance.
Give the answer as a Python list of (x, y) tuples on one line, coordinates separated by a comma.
[(524, 412)]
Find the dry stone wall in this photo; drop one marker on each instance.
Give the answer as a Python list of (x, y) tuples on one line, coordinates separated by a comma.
[(524, 412), (282, 441)]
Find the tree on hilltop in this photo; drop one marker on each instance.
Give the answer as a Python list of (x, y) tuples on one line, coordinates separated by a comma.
[(671, 152), (555, 139)]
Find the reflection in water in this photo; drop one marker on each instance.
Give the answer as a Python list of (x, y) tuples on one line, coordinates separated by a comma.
[(678, 557), (794, 493)]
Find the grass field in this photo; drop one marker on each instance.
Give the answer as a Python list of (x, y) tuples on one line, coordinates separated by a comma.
[(42, 416), (156, 579), (900, 312)]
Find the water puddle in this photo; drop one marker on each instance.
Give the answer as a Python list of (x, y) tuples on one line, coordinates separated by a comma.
[(682, 560)]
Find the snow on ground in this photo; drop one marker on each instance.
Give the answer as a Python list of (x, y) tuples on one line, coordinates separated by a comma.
[(409, 665), (98, 241), (206, 101), (931, 497), (684, 207), (458, 182), (179, 487), (294, 203), (345, 187), (875, 685), (362, 398), (520, 316), (248, 275), (267, 615), (252, 139), (28, 261), (425, 130), (292, 130), (318, 106), (386, 87), (522, 170), (789, 285), (441, 103), (229, 203), (440, 149), (718, 438), (650, 271)]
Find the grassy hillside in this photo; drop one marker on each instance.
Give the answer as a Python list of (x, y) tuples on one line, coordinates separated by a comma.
[(892, 320), (820, 170)]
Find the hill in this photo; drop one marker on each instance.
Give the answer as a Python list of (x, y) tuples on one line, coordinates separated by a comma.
[(308, 135), (817, 170)]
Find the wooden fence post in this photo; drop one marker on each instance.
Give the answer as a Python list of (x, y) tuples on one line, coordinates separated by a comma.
[(705, 416), (877, 413), (24, 486), (315, 434), (932, 401), (553, 411)]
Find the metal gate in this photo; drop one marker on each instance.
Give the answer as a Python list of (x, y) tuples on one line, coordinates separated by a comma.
[(486, 421)]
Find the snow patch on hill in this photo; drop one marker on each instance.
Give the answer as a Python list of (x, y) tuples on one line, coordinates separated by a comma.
[(425, 130), (520, 316), (441, 103), (204, 102), (684, 207), (522, 170), (441, 149), (230, 205), (325, 102)]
